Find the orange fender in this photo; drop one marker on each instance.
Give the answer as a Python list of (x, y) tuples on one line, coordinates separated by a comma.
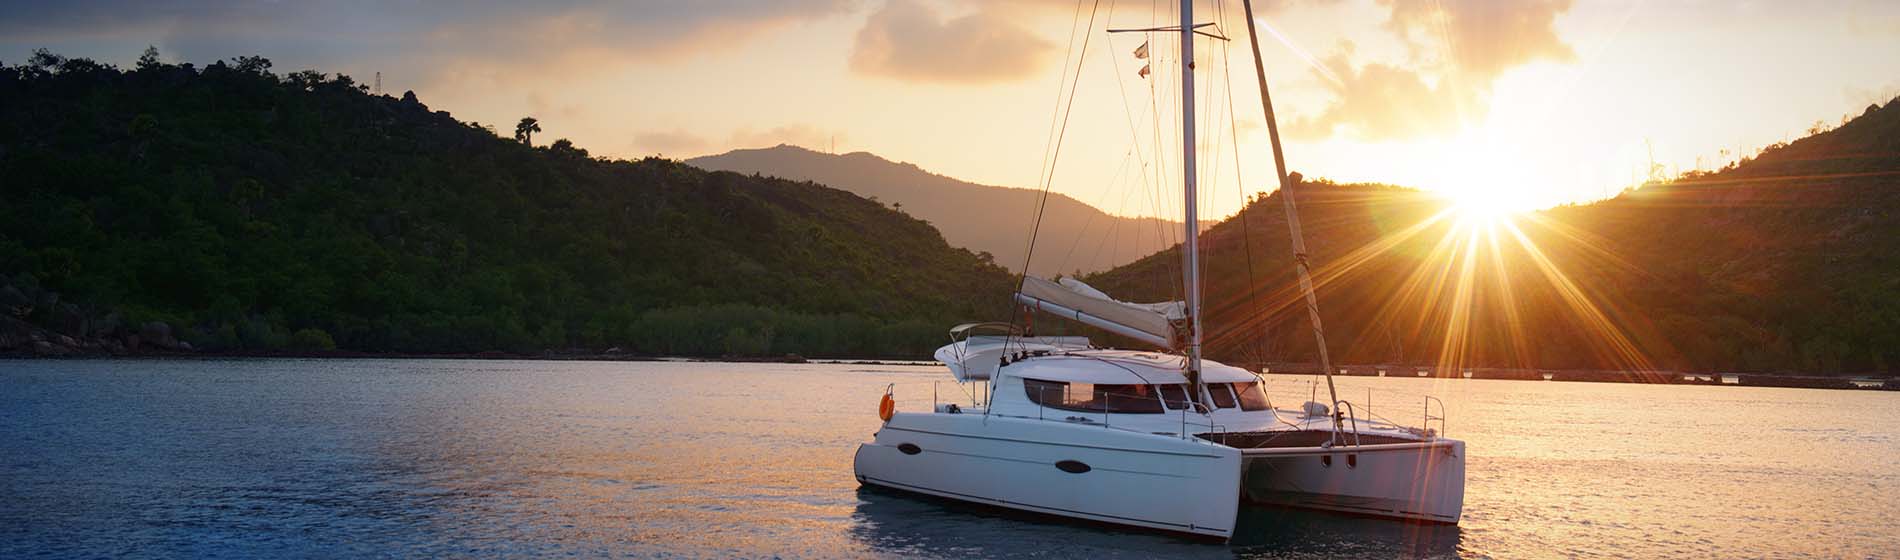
[(886, 407)]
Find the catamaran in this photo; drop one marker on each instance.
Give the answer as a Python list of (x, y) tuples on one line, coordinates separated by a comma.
[(1159, 438)]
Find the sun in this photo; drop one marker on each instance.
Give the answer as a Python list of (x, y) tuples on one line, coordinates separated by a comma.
[(1482, 202)]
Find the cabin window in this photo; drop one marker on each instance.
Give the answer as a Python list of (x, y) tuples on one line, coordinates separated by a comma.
[(1091, 397), (1175, 396), (1253, 396), (1222, 394)]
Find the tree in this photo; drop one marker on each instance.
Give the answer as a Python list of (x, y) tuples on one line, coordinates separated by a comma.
[(524, 130), (149, 59)]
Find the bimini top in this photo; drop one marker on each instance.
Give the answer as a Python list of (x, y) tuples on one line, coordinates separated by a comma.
[(1121, 367), (1153, 323)]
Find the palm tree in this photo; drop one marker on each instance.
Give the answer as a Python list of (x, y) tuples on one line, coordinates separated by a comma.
[(524, 131)]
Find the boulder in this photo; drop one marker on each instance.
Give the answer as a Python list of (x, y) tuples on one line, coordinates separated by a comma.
[(157, 333), (45, 348), (108, 325), (13, 301), (15, 334), (69, 320)]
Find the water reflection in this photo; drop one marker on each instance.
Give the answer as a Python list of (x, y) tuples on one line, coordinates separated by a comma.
[(910, 524), (427, 458)]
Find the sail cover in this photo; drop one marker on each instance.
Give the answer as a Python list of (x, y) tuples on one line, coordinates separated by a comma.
[(1149, 322)]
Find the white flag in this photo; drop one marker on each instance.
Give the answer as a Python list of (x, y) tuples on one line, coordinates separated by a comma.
[(1144, 71), (1142, 51)]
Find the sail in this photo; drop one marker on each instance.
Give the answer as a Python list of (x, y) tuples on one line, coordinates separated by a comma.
[(1153, 323)]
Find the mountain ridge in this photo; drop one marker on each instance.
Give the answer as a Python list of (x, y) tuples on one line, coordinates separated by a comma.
[(244, 211), (984, 218), (1788, 261)]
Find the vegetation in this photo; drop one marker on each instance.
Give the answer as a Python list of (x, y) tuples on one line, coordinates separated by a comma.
[(1786, 262), (256, 211)]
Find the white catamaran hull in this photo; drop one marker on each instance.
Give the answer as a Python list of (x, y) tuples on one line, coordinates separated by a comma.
[(1076, 470), (1422, 481)]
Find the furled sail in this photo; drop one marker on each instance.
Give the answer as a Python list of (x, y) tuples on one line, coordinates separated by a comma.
[(1154, 323)]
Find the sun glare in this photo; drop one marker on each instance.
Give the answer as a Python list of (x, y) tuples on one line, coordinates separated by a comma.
[(1482, 203)]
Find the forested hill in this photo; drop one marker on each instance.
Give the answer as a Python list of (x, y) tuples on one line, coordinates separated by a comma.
[(982, 218), (1786, 262), (251, 211)]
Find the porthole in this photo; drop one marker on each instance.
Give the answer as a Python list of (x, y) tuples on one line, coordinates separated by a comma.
[(1326, 460), (909, 448), (1352, 460), (1072, 466)]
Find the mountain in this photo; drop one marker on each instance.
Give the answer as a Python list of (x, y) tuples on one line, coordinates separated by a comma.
[(996, 220), (247, 211), (1786, 262)]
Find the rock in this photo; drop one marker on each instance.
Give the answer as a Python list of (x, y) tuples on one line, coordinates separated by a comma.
[(69, 320), (45, 348), (108, 325), (11, 297), (132, 342), (66, 341), (15, 334), (186, 346), (157, 333)]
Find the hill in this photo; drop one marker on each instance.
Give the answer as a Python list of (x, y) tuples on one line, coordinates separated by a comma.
[(1786, 262), (994, 220), (249, 211)]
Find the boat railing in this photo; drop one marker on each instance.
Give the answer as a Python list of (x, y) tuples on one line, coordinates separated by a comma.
[(1442, 413), (1345, 408)]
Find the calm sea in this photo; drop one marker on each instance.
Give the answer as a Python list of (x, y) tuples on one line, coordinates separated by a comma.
[(444, 458)]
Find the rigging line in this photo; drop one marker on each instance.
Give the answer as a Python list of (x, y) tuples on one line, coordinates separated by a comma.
[(1292, 218), (1164, 236), (1056, 155), (1055, 115), (1042, 202), (1240, 182), (1061, 134), (1114, 232), (1064, 263)]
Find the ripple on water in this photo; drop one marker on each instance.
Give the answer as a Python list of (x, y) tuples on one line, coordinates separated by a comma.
[(270, 458)]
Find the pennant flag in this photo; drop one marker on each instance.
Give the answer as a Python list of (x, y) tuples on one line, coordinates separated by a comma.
[(1142, 51), (1144, 71)]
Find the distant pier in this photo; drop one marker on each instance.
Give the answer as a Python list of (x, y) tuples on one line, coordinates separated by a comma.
[(1663, 377)]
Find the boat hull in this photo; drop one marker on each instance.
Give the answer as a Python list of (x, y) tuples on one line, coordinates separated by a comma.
[(1074, 470), (1422, 481)]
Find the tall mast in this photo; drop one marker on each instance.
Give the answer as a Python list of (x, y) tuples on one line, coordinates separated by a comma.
[(1292, 216), (1191, 250)]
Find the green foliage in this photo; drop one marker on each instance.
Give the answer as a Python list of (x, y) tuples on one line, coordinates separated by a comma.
[(256, 212), (312, 339), (1788, 262)]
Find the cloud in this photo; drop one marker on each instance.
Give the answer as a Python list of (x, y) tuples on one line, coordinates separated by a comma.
[(1458, 48), (1480, 39), (419, 37), (906, 40), (1381, 102)]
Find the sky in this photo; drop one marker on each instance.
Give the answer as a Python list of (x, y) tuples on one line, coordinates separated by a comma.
[(1520, 103)]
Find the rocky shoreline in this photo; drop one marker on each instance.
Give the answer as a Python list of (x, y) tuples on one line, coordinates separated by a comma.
[(36, 322)]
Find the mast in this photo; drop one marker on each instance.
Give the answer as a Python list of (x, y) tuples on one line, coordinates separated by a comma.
[(1292, 217), (1191, 250)]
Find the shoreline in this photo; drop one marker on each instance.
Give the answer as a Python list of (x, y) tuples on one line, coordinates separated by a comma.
[(1863, 382)]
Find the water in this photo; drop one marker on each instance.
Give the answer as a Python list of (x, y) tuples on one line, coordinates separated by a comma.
[(348, 458)]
